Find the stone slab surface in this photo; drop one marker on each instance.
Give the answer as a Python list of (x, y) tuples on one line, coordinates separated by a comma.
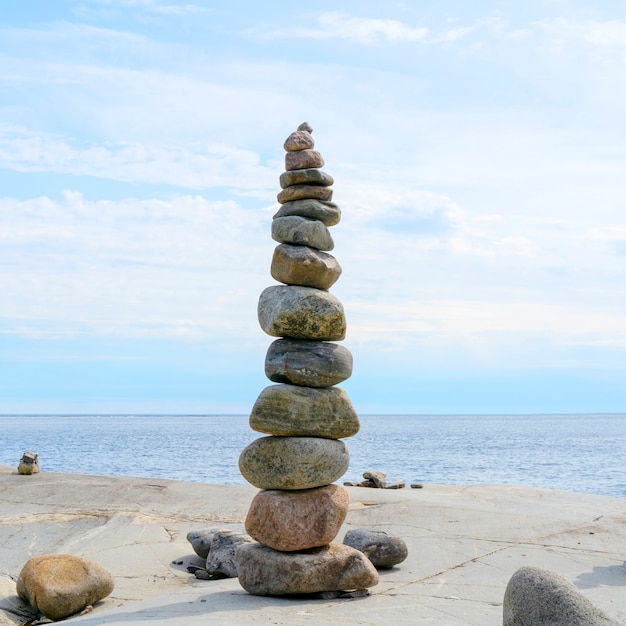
[(465, 542)]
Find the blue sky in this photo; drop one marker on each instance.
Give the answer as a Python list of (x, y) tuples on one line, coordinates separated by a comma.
[(478, 150)]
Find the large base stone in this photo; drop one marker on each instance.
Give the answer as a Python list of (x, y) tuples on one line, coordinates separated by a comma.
[(335, 567), (297, 520), (292, 411), (293, 462)]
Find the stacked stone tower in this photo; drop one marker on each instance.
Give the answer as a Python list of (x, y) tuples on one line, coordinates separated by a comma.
[(299, 510)]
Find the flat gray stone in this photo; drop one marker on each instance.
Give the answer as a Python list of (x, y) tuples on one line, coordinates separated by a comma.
[(335, 567), (303, 159), (326, 212), (301, 265), (301, 313), (537, 597), (302, 231), (293, 462), (308, 176), (307, 363), (292, 411), (383, 549), (301, 192)]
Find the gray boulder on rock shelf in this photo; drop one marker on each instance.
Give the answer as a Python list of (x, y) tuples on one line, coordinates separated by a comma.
[(308, 176), (60, 585), (335, 567), (326, 212), (537, 597), (301, 313), (297, 520), (201, 539), (302, 231), (383, 549), (300, 192), (303, 159), (221, 556), (289, 410), (307, 363), (293, 462), (304, 266)]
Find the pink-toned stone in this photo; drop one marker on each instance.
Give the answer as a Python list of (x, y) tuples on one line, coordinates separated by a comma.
[(303, 159), (300, 192), (299, 140), (297, 520)]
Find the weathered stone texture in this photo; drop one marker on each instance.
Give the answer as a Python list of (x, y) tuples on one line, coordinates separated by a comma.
[(307, 363), (292, 411), (326, 212), (59, 585), (335, 567), (301, 313), (297, 520), (383, 549), (303, 159), (309, 176), (301, 265), (302, 231), (293, 462), (299, 140), (300, 192)]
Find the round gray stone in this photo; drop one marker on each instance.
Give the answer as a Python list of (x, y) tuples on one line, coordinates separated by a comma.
[(300, 192), (301, 265), (308, 363), (301, 313), (536, 597), (326, 212), (302, 231), (309, 176), (293, 462), (288, 410), (383, 549)]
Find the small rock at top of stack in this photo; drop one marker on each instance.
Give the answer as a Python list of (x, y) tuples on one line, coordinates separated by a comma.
[(304, 416)]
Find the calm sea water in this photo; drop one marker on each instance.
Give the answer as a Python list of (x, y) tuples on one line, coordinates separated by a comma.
[(572, 452)]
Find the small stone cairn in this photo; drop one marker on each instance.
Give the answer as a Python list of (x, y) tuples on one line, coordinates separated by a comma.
[(305, 415)]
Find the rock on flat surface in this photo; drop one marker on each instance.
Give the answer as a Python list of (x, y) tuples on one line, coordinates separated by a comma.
[(302, 231), (309, 176), (301, 192), (293, 462), (289, 410), (59, 585), (301, 265), (303, 159), (307, 363), (537, 597), (297, 520), (221, 556), (201, 539), (326, 212), (301, 313), (383, 549), (267, 572)]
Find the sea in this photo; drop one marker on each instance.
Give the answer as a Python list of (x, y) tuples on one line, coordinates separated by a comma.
[(581, 453)]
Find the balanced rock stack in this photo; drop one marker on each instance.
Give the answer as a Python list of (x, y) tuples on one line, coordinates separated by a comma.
[(299, 511)]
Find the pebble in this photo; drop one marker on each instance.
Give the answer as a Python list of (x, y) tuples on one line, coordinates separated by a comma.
[(308, 363), (292, 411), (293, 462)]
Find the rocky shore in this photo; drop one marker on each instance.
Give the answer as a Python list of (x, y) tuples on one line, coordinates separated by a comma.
[(465, 543)]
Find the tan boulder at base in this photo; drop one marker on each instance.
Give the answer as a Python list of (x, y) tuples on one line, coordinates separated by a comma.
[(308, 363), (292, 411), (301, 265), (297, 520), (59, 585), (301, 313), (293, 462), (335, 567)]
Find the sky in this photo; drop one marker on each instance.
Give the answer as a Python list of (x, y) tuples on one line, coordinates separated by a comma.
[(479, 157)]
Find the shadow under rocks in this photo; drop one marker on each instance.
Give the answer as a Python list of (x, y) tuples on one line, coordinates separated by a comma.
[(614, 575)]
